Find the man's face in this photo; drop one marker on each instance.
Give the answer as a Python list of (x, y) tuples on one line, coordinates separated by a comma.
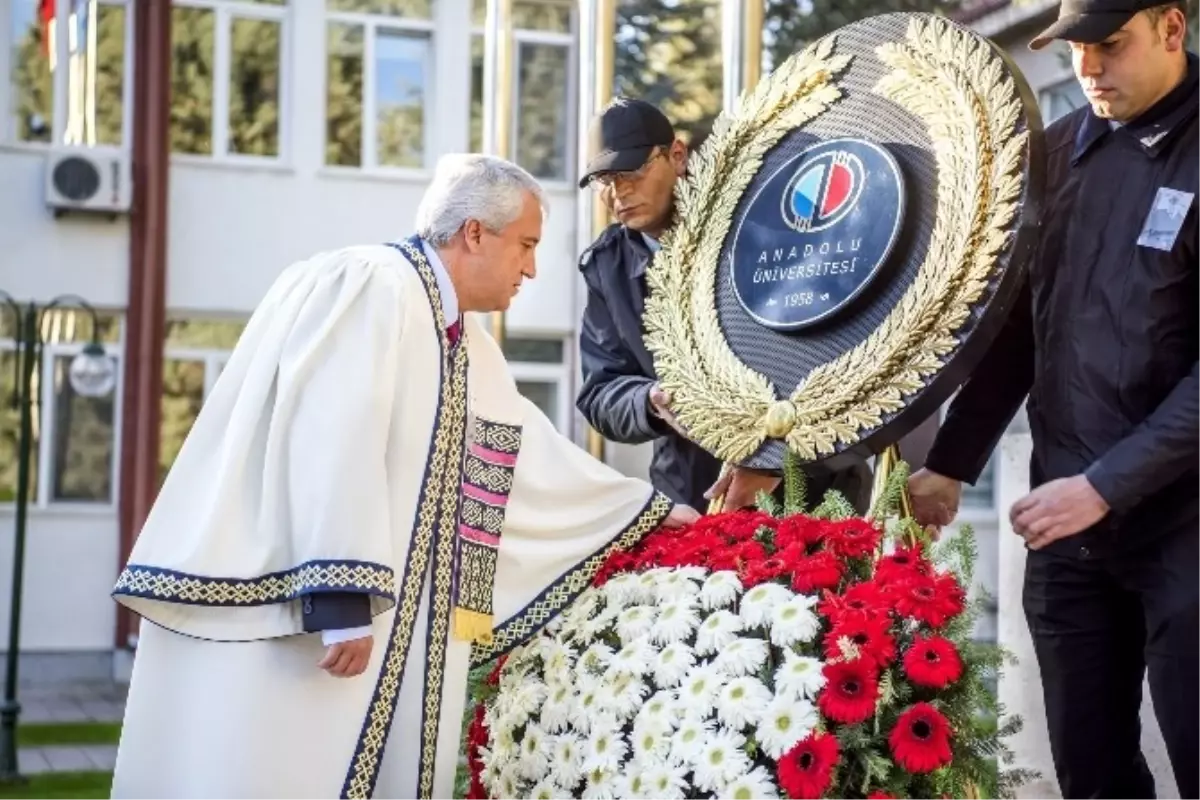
[(642, 199), (1132, 69), (503, 259)]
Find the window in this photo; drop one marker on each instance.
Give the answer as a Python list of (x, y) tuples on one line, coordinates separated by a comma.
[(87, 103), (1061, 99), (196, 351), (542, 132), (379, 62), (72, 455), (541, 375), (226, 77)]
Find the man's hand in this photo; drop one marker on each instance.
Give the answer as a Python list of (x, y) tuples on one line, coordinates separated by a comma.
[(660, 403), (680, 515), (1057, 510), (935, 499), (741, 486), (348, 659)]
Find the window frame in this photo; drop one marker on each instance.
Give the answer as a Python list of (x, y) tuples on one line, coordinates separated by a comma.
[(570, 41), (371, 23), (556, 374), (42, 499), (60, 86), (225, 12)]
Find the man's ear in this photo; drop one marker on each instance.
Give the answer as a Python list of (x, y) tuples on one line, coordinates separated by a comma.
[(472, 235), (1174, 29), (679, 157)]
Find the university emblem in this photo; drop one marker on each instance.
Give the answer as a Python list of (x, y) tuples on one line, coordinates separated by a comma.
[(850, 240)]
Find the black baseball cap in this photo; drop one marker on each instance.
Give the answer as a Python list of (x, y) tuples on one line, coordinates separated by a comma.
[(624, 135), (1091, 21)]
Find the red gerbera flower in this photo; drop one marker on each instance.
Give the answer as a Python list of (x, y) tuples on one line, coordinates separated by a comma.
[(694, 550), (851, 689), (933, 662), (869, 635), (901, 563), (921, 739), (620, 561), (800, 531), (493, 678), (816, 572), (930, 599), (805, 770), (742, 525), (762, 571), (854, 538), (860, 601), (733, 556)]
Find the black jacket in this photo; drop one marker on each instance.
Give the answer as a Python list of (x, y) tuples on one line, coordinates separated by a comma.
[(618, 371), (1104, 337)]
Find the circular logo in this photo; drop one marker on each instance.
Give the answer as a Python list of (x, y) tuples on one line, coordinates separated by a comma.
[(817, 233)]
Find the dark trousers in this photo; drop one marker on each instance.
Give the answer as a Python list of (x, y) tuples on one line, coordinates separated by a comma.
[(1099, 625)]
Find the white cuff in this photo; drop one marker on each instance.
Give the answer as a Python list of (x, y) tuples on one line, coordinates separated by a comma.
[(339, 635)]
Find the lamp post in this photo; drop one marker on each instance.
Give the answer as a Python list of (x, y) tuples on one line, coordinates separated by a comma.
[(91, 375)]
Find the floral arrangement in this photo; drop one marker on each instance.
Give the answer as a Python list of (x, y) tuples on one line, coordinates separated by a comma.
[(755, 654)]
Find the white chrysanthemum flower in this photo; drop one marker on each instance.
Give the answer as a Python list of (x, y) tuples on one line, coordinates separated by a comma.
[(672, 664), (759, 602), (529, 697), (555, 625), (720, 589), (627, 695), (688, 741), (547, 789), (647, 583), (722, 760), (674, 586), (558, 661), (510, 721), (743, 656), (516, 670), (651, 741), (785, 722), (634, 784), (621, 590), (587, 705), (601, 785), (566, 766), (534, 763), (677, 619), (504, 747), (635, 622), (799, 677), (694, 574), (665, 781), (509, 784), (600, 624), (794, 621), (584, 607), (635, 658), (742, 702), (595, 659), (605, 749), (490, 774), (699, 687), (721, 628), (662, 707), (756, 785), (556, 713)]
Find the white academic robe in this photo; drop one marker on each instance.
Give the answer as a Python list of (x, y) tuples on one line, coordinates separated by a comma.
[(336, 452)]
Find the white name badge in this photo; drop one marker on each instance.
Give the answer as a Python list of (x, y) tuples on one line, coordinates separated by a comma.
[(1165, 218)]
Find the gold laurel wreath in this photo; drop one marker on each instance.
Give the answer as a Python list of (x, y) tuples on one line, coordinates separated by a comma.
[(958, 86)]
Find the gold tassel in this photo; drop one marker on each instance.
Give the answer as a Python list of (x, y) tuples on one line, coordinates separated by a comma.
[(472, 626)]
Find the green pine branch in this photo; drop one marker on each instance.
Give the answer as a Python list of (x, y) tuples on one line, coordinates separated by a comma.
[(794, 484)]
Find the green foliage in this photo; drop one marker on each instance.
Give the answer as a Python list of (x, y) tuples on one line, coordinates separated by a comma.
[(794, 489), (888, 503)]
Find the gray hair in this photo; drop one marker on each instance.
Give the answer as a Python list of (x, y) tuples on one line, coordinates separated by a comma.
[(471, 186)]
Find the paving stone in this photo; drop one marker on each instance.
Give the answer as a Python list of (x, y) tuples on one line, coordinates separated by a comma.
[(71, 758), (32, 761), (104, 757)]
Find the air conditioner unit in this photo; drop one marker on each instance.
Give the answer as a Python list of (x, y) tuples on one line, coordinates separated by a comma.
[(82, 179)]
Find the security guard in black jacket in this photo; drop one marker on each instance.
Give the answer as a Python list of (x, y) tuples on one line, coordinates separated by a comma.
[(1105, 343), (636, 161)]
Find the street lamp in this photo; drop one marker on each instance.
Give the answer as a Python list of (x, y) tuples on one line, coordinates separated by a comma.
[(92, 374)]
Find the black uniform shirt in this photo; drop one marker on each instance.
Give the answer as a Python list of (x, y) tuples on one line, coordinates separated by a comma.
[(1103, 337)]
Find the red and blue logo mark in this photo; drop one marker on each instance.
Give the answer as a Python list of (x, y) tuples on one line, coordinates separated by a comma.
[(823, 191)]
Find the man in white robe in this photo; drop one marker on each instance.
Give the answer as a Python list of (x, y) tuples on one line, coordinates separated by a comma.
[(365, 443)]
